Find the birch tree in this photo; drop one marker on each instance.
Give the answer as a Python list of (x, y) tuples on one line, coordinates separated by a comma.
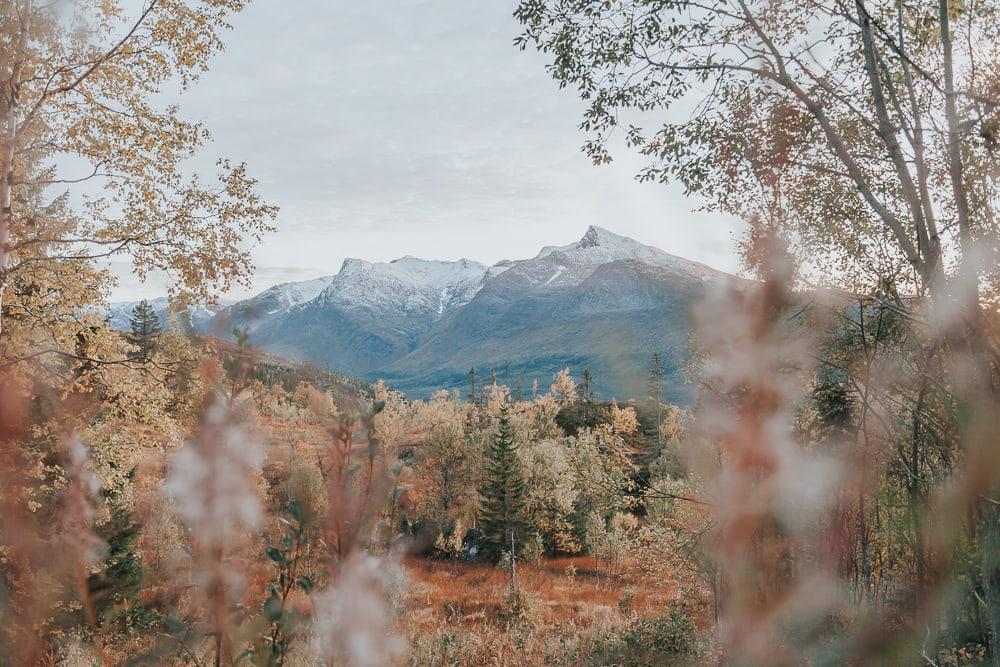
[(92, 168), (867, 128), (864, 134)]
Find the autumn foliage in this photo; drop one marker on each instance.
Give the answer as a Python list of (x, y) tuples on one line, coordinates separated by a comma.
[(830, 496)]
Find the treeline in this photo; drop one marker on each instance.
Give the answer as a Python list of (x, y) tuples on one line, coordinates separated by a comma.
[(548, 474)]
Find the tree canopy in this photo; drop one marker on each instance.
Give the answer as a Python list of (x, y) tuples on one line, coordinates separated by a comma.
[(91, 167), (867, 131)]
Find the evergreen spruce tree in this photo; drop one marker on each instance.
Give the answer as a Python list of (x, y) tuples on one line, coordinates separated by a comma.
[(655, 382), (502, 496), (145, 330), (587, 397), (519, 388), (833, 402), (114, 588), (473, 396), (586, 390), (656, 393)]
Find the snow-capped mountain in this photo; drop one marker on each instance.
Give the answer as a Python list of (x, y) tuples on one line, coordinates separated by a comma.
[(575, 262), (564, 267), (605, 302), (274, 302), (406, 284), (371, 314)]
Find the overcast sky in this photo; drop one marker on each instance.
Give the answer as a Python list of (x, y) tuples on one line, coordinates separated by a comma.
[(415, 127)]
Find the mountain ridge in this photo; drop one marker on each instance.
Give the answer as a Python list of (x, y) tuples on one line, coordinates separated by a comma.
[(604, 302)]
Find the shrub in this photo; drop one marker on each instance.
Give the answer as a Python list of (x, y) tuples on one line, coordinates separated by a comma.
[(626, 603), (449, 545), (669, 640), (521, 607), (533, 549)]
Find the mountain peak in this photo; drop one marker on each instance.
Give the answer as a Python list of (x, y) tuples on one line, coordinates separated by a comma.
[(353, 264), (597, 236), (598, 246)]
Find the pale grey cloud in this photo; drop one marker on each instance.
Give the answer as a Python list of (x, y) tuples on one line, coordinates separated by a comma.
[(415, 127)]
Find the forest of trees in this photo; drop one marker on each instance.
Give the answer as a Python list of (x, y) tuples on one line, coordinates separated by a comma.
[(831, 496)]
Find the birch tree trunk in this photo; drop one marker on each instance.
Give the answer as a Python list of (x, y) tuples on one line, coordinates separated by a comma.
[(9, 98)]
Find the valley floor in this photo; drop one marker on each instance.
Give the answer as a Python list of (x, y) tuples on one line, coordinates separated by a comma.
[(575, 609)]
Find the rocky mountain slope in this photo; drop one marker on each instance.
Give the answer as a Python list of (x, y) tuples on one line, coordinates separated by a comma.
[(604, 303)]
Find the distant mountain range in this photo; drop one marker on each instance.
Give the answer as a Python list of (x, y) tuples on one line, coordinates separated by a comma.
[(605, 302)]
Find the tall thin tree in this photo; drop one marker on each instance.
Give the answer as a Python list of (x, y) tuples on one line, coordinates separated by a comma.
[(655, 392), (145, 330), (473, 396), (503, 496)]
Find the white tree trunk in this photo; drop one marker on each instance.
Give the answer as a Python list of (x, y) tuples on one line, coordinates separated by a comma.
[(9, 101)]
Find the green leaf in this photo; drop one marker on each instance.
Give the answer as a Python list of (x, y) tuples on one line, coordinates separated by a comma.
[(275, 554), (306, 583)]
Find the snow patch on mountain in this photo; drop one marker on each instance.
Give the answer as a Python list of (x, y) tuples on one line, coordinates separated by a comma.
[(291, 294), (565, 267), (408, 283), (559, 271), (599, 246)]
